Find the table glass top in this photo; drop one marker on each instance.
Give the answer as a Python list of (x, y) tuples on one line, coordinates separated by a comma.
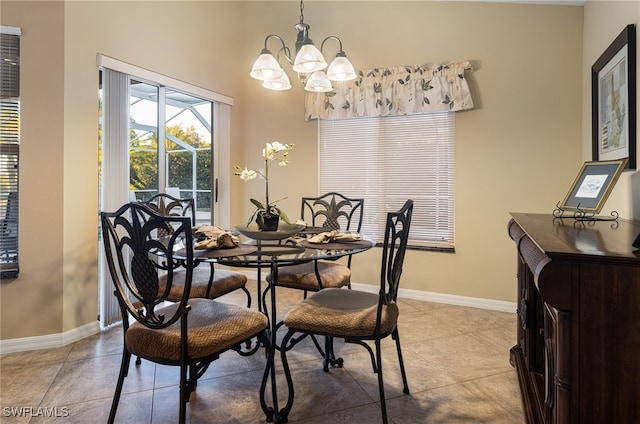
[(285, 253)]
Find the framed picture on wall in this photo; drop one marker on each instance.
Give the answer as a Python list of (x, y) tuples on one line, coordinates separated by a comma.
[(593, 185), (613, 100)]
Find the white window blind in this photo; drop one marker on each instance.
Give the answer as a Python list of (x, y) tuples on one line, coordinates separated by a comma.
[(9, 149), (387, 160)]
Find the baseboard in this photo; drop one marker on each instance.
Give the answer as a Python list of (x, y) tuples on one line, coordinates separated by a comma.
[(50, 340), (449, 299), (63, 339)]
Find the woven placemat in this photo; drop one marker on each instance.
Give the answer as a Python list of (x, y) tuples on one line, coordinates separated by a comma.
[(334, 245)]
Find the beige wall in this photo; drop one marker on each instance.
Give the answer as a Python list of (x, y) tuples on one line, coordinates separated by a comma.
[(191, 41), (603, 22), (32, 305), (517, 151)]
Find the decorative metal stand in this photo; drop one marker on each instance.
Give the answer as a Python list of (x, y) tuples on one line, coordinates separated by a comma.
[(582, 215)]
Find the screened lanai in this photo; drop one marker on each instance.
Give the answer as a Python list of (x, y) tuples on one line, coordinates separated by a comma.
[(182, 165)]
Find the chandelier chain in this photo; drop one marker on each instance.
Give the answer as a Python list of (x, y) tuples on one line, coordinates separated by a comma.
[(301, 11)]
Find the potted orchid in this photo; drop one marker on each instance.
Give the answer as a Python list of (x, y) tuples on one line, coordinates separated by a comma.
[(267, 214)]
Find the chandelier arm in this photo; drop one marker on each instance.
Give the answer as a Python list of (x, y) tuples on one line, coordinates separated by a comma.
[(273, 36), (287, 54), (335, 38)]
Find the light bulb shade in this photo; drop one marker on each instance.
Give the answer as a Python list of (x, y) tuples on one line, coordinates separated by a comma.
[(279, 84), (308, 60), (341, 69), (318, 83), (266, 67)]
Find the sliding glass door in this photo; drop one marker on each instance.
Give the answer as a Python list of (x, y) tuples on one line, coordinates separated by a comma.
[(157, 134), (181, 165)]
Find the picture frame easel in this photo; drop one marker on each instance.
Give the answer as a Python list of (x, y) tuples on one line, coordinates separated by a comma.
[(590, 190)]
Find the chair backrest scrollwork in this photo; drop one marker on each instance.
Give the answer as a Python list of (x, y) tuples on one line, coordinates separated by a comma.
[(394, 248), (333, 211), (137, 249), (168, 205)]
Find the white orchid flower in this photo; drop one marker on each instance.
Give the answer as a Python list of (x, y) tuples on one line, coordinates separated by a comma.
[(248, 174), (275, 151), (278, 147), (268, 152)]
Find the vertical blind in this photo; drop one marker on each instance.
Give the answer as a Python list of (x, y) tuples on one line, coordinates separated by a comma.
[(386, 160), (115, 174), (9, 149)]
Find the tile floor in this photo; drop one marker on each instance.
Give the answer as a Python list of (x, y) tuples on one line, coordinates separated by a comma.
[(457, 362)]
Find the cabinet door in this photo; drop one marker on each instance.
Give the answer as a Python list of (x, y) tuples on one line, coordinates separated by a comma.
[(557, 372), (550, 342), (530, 320), (609, 342)]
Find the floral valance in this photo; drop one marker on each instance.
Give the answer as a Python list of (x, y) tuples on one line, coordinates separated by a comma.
[(399, 90)]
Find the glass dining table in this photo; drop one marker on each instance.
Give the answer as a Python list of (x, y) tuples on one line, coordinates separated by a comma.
[(272, 252)]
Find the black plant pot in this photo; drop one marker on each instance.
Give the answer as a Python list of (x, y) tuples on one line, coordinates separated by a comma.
[(268, 221)]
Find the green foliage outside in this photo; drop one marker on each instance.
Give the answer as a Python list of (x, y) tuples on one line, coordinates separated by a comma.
[(143, 158)]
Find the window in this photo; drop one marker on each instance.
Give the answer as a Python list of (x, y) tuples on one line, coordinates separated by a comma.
[(386, 160), (9, 150)]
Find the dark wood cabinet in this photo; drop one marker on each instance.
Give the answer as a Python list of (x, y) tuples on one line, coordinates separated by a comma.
[(577, 353)]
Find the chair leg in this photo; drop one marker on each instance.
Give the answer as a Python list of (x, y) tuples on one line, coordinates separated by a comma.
[(244, 289), (268, 410), (192, 382), (396, 337), (317, 345), (329, 355), (368, 348), (124, 370), (284, 412), (263, 301), (383, 404), (184, 393)]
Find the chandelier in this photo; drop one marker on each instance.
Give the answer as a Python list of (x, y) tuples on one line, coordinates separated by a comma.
[(309, 63)]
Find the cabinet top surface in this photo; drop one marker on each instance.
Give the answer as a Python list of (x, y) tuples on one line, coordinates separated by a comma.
[(567, 236)]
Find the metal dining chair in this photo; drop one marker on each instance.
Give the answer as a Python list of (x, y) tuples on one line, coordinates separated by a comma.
[(188, 333), (208, 283), (331, 211), (356, 316)]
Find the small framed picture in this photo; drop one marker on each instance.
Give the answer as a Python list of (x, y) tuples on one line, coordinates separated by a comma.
[(613, 100), (592, 186)]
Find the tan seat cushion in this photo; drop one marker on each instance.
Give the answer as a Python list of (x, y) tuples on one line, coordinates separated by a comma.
[(213, 327), (341, 313), (303, 276), (224, 281)]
